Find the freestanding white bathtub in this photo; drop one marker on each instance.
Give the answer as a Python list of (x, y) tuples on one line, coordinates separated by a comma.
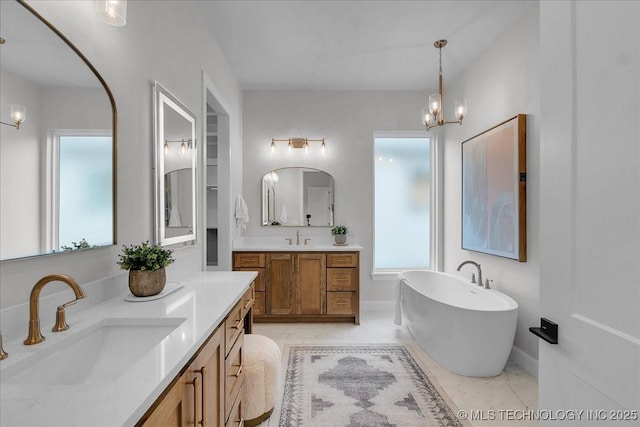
[(467, 329)]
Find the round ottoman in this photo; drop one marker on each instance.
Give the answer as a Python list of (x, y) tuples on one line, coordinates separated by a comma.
[(261, 378)]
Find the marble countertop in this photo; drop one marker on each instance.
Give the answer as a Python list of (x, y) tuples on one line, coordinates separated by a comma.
[(203, 303)]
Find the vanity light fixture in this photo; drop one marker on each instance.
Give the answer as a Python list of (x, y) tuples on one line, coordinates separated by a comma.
[(432, 115), (18, 115), (112, 12), (294, 143), (185, 144)]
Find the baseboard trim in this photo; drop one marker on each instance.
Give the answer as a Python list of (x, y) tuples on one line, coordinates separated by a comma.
[(385, 306), (524, 360)]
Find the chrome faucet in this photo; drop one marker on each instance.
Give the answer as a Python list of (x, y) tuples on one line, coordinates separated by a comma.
[(297, 237), (35, 336), (477, 266)]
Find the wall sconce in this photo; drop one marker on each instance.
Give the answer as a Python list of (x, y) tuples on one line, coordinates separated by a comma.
[(18, 115), (296, 143), (432, 115), (112, 12)]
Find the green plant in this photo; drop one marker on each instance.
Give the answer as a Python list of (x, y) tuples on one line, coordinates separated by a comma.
[(82, 244), (339, 229), (144, 257)]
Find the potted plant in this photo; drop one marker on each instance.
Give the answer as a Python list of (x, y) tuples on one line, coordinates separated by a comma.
[(146, 265), (339, 233)]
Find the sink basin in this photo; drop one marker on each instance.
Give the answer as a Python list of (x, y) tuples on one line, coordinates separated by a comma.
[(297, 247), (99, 353)]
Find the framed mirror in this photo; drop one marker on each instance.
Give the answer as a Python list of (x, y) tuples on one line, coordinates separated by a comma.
[(175, 169), (297, 197), (58, 166)]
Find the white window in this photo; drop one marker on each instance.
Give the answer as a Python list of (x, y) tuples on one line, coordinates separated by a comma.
[(80, 175), (404, 202)]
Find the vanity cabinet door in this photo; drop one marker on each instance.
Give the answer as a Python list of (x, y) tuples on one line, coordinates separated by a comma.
[(209, 365), (176, 409), (280, 286), (311, 283)]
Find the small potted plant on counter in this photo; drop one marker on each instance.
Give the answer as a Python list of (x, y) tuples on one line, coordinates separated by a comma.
[(339, 233), (146, 265)]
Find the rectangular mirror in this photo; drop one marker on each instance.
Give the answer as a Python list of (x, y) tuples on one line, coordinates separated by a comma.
[(175, 169), (297, 197)]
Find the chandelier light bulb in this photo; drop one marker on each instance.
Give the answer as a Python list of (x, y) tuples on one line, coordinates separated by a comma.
[(435, 104), (183, 147), (461, 109), (273, 147), (166, 147)]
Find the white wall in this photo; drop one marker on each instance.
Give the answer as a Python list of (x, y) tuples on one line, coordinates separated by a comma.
[(347, 121), (154, 45), (501, 83), (20, 152)]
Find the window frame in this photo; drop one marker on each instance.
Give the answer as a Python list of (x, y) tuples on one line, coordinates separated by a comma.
[(51, 194), (436, 213)]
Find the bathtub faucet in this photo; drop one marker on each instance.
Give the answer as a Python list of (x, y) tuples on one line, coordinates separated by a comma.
[(477, 266)]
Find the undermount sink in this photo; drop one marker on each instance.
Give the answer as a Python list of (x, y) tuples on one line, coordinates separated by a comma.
[(297, 247), (100, 353)]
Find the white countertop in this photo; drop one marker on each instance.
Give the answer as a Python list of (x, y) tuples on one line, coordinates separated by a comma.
[(279, 244), (203, 302)]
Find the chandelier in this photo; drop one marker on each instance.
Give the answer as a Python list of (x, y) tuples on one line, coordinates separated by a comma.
[(432, 115)]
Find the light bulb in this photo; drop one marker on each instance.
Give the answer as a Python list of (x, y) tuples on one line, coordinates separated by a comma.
[(461, 109), (18, 114), (183, 147), (435, 105), (113, 12), (273, 148), (323, 147), (166, 147)]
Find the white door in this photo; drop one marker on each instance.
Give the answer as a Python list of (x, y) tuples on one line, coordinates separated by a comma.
[(590, 209), (318, 205)]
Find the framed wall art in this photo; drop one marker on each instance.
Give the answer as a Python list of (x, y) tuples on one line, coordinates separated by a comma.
[(494, 180)]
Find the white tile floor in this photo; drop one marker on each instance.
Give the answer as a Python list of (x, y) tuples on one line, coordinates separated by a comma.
[(499, 401)]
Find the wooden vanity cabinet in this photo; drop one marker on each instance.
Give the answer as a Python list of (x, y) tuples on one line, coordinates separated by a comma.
[(208, 391), (253, 261), (304, 286), (198, 394)]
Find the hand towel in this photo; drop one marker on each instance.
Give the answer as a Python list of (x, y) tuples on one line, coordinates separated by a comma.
[(284, 216), (241, 213), (174, 217)]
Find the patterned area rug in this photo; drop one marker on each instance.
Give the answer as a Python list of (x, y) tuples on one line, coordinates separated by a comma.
[(360, 386)]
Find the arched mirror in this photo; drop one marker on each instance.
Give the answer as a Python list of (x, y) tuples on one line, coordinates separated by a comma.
[(297, 197), (58, 161), (175, 169)]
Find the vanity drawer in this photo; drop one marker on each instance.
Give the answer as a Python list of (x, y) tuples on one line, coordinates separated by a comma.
[(234, 376), (341, 279), (349, 259), (235, 418), (340, 302), (233, 326), (247, 301), (248, 259)]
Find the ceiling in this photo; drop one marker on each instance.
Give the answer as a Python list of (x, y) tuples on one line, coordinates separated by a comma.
[(357, 44)]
